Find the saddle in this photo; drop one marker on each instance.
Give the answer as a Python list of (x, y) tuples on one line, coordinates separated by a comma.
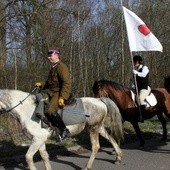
[(150, 100), (72, 112), (71, 100)]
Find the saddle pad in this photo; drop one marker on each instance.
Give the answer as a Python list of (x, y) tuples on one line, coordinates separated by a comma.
[(73, 114), (150, 100)]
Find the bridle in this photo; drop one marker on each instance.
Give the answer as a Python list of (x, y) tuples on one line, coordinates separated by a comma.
[(103, 93), (20, 102)]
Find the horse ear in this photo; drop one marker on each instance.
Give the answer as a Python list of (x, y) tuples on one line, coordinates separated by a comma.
[(95, 87)]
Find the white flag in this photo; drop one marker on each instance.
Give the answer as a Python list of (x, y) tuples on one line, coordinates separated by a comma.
[(139, 35)]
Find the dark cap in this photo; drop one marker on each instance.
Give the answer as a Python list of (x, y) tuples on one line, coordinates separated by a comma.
[(137, 58), (53, 51)]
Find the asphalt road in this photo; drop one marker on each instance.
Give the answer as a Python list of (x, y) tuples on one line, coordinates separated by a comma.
[(155, 156)]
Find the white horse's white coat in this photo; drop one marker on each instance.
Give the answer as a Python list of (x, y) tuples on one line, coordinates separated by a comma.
[(97, 109)]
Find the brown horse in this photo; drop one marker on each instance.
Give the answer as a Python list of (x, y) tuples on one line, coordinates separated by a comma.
[(122, 97)]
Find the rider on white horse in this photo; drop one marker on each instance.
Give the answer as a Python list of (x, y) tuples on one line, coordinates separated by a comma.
[(58, 89)]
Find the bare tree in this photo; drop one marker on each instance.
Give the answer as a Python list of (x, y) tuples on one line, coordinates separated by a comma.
[(90, 34)]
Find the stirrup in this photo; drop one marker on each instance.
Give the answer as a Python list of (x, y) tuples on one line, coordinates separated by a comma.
[(65, 134), (60, 138)]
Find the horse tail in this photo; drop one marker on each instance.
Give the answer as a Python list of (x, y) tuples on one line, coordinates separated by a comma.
[(116, 125)]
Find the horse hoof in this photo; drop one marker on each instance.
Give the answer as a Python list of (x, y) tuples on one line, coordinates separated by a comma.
[(141, 146), (163, 140), (113, 152), (85, 168), (117, 162)]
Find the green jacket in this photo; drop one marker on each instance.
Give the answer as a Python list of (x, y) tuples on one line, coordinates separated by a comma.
[(58, 81)]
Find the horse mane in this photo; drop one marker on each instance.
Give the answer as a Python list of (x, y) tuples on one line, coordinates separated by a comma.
[(101, 83)]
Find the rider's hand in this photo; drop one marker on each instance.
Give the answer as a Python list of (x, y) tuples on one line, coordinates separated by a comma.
[(38, 84), (135, 72), (61, 101)]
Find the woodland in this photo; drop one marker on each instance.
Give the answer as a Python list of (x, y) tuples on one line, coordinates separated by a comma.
[(91, 35)]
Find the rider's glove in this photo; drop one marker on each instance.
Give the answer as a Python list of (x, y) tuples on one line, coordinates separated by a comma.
[(135, 72), (61, 101), (38, 84)]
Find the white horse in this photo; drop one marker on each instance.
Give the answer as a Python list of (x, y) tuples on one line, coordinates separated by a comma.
[(22, 105)]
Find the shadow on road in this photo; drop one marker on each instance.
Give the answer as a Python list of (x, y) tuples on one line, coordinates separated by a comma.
[(153, 144)]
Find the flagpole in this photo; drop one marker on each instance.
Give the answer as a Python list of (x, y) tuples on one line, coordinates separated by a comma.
[(133, 67), (122, 49), (136, 87)]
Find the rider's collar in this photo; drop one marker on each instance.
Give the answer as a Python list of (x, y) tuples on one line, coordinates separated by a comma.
[(54, 64)]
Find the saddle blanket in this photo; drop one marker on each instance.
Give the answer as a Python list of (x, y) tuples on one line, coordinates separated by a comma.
[(149, 101), (74, 113)]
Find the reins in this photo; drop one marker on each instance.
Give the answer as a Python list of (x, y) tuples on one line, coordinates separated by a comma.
[(21, 101)]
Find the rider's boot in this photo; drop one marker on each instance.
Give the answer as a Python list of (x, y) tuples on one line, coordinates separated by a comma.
[(58, 122), (43, 118)]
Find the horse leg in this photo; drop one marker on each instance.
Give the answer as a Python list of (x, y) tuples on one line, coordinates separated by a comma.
[(76, 129), (34, 147), (45, 157), (138, 133), (103, 132), (94, 138), (163, 122)]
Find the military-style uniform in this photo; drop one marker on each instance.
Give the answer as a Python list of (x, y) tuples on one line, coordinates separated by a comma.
[(58, 89), (58, 84)]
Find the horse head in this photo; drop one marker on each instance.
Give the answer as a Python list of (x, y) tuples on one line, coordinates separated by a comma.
[(99, 90)]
